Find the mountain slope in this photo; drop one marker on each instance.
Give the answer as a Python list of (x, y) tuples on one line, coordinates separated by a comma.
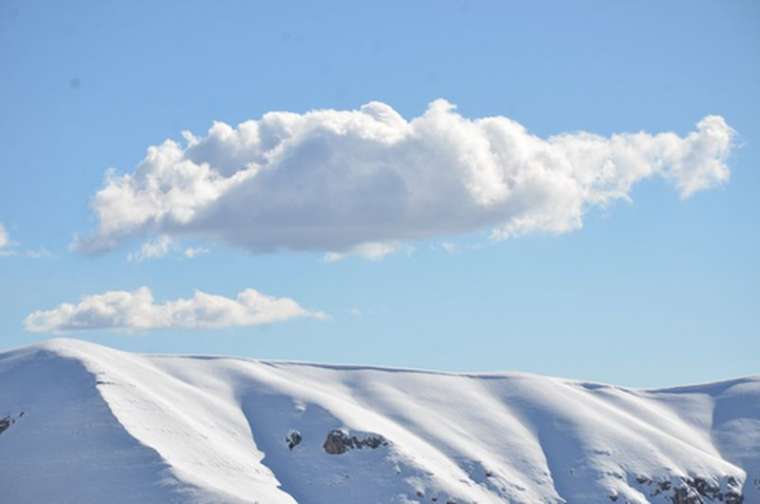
[(83, 423)]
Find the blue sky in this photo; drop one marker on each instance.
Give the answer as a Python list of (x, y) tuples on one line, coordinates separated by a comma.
[(653, 291)]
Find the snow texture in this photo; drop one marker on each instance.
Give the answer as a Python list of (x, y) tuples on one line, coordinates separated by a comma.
[(82, 423)]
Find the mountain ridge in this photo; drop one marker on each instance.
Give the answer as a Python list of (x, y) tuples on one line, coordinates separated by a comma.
[(217, 429)]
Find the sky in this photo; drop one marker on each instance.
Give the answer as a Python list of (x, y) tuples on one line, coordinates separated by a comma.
[(564, 188)]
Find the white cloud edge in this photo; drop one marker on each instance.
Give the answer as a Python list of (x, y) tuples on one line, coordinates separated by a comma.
[(4, 239), (373, 251), (137, 311), (10, 248), (193, 252)]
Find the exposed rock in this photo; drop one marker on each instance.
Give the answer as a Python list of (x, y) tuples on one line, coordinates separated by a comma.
[(685, 495), (339, 441), (695, 490), (643, 480), (5, 423), (293, 439)]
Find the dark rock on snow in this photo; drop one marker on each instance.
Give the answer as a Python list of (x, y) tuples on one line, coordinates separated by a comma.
[(293, 439), (5, 423), (339, 441)]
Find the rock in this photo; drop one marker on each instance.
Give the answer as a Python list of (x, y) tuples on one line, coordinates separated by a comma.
[(293, 439), (339, 441), (643, 480), (5, 423), (695, 490)]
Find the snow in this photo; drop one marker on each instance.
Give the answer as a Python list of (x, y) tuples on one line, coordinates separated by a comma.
[(90, 424)]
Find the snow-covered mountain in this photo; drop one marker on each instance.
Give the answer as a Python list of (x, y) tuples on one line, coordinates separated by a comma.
[(82, 423)]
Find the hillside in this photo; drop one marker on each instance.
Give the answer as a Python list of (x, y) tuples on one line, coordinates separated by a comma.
[(82, 423)]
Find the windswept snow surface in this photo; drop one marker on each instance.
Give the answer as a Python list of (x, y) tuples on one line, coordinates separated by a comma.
[(82, 423)]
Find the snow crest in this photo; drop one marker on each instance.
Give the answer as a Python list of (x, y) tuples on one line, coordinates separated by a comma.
[(85, 423)]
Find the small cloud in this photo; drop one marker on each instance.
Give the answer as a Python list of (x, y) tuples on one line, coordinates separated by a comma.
[(450, 248), (137, 310), (4, 240), (40, 253), (373, 251), (456, 248), (162, 246), (11, 248), (356, 312), (192, 252), (152, 249)]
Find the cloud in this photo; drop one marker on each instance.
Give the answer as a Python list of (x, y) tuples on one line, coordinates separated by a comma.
[(39, 253), (11, 248), (346, 182), (450, 248), (152, 249), (6, 245), (160, 247), (4, 240), (137, 310), (373, 251), (193, 252)]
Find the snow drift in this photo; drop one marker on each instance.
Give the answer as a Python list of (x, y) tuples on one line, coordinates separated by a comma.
[(81, 423)]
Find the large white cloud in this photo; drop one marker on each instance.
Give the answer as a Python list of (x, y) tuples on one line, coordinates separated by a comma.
[(137, 310), (367, 179)]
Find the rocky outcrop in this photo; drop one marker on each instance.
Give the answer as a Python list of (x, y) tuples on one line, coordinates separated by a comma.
[(691, 490), (339, 441), (699, 490)]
